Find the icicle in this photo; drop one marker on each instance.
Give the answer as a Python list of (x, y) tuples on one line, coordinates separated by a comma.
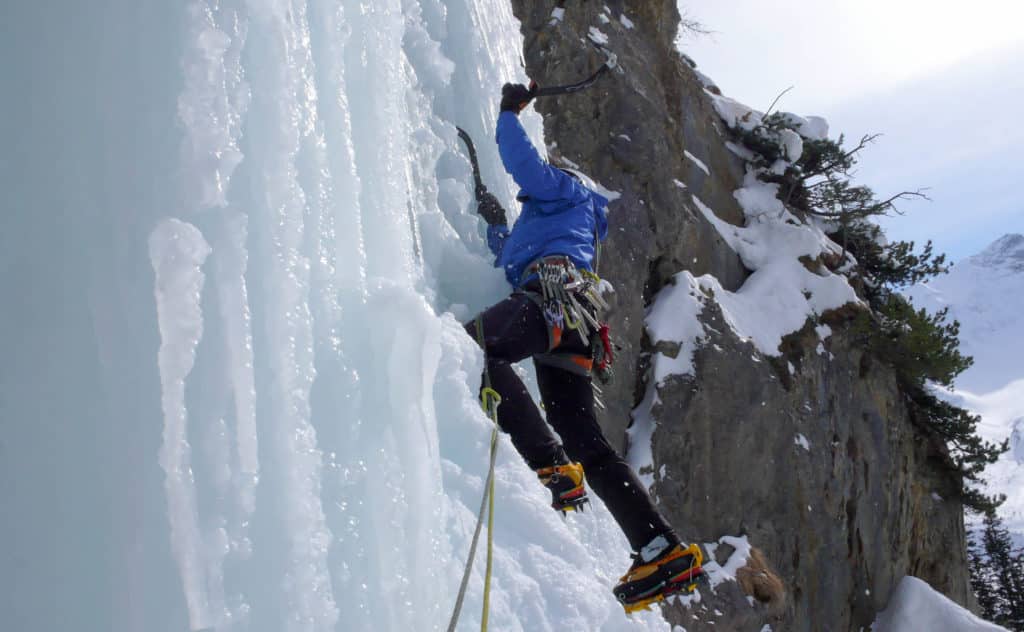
[(177, 250)]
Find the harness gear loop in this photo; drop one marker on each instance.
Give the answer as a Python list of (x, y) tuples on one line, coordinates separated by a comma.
[(489, 401), (570, 299)]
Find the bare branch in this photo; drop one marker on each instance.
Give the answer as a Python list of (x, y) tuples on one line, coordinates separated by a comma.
[(889, 204), (690, 26), (865, 140), (781, 94)]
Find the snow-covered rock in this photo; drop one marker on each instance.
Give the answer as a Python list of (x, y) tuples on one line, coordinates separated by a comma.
[(915, 607)]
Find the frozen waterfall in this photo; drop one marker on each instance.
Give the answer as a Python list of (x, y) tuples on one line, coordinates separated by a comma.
[(322, 257), (271, 242)]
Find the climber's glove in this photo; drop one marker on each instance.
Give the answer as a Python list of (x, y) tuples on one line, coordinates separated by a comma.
[(490, 209), (515, 97)]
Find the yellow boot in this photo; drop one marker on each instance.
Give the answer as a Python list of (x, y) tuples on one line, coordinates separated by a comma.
[(566, 485), (676, 569)]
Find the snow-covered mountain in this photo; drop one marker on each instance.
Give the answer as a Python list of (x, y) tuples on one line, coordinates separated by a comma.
[(985, 293)]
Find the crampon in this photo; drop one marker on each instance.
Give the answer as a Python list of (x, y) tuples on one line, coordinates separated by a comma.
[(566, 485), (677, 571)]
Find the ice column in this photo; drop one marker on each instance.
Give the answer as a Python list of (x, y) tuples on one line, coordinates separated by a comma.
[(282, 116), (177, 250)]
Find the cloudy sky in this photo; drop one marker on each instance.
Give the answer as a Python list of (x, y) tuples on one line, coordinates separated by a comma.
[(941, 80)]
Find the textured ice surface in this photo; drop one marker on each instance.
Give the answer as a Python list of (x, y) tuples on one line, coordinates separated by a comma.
[(323, 471)]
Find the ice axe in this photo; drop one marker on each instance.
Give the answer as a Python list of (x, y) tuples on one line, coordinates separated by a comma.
[(477, 180), (610, 62)]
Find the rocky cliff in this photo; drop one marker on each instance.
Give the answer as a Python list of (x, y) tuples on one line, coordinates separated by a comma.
[(805, 449)]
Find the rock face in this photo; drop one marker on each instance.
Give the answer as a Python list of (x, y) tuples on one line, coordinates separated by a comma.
[(818, 465)]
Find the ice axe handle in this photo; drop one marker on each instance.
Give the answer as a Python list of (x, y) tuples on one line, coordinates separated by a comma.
[(477, 180), (552, 91)]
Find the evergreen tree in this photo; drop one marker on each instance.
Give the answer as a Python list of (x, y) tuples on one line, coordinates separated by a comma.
[(983, 582), (1006, 572), (923, 349)]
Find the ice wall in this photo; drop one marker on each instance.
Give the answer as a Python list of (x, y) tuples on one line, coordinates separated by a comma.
[(323, 467)]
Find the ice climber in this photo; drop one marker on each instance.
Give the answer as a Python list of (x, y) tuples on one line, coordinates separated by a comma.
[(551, 316)]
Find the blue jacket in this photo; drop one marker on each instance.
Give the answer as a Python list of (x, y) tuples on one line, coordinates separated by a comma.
[(560, 216)]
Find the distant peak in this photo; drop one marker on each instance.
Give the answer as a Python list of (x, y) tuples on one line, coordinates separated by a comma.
[(1007, 251)]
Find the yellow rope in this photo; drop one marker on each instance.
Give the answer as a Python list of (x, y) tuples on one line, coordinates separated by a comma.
[(490, 531), (489, 401)]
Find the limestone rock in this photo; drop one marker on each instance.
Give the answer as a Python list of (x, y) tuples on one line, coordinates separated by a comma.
[(811, 455)]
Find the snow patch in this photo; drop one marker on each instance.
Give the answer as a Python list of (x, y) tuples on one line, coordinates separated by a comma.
[(810, 127), (915, 606), (792, 144), (781, 294), (674, 317), (697, 162), (735, 114), (640, 433), (597, 36), (740, 151), (720, 573)]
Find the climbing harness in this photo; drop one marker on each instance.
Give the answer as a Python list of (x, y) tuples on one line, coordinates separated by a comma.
[(570, 299), (489, 401)]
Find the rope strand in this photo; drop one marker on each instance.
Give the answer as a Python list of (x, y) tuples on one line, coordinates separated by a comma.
[(489, 400)]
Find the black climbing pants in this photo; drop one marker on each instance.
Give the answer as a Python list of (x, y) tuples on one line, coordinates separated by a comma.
[(514, 330)]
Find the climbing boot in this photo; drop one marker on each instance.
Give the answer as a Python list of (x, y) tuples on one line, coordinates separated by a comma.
[(566, 485), (662, 568)]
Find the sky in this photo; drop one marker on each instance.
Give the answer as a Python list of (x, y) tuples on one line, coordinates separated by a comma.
[(939, 80)]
